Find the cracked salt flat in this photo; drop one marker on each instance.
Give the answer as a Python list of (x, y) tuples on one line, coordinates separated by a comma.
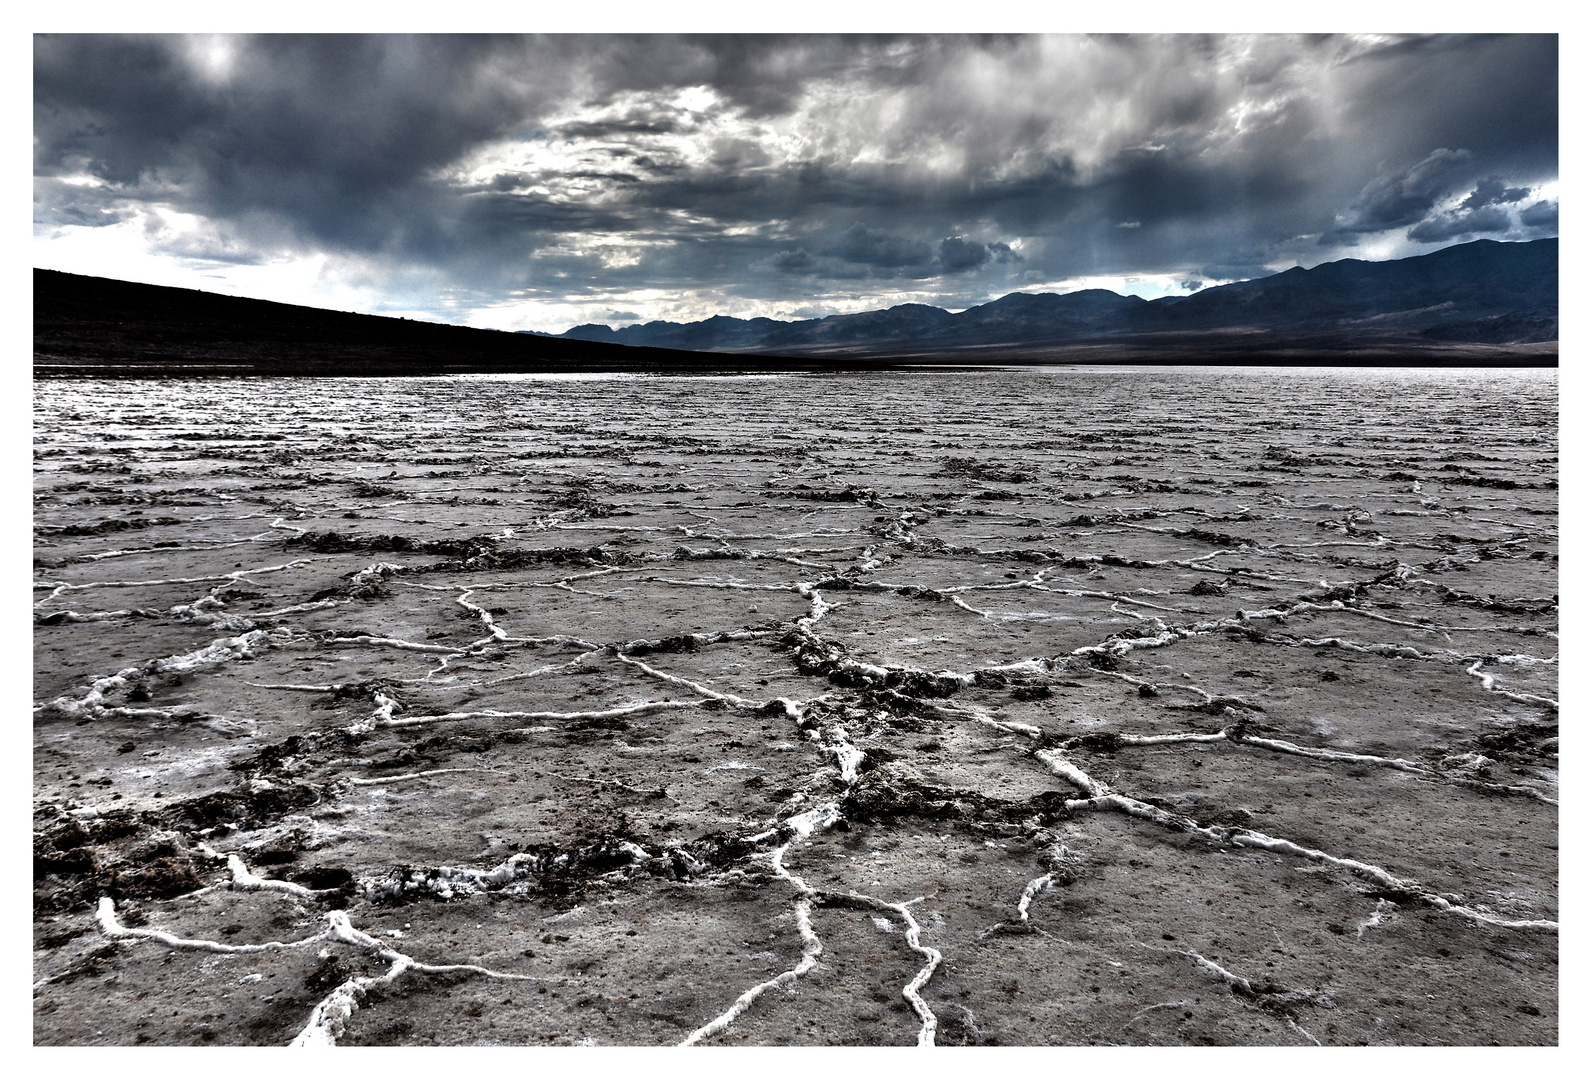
[(667, 693)]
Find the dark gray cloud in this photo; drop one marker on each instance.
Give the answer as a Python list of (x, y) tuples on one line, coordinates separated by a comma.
[(1449, 226), (1541, 215), (1401, 197), (958, 254), (1491, 192), (880, 250), (593, 177)]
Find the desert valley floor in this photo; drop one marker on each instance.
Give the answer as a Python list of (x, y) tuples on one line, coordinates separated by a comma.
[(1029, 707)]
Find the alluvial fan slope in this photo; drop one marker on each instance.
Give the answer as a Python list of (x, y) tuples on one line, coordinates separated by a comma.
[(1040, 707)]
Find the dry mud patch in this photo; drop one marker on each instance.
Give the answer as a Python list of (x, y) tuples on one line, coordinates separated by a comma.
[(799, 710)]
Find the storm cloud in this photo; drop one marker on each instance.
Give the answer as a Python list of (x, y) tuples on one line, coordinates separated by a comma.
[(539, 182)]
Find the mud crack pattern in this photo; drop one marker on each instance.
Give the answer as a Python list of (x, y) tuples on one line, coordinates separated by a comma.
[(1024, 707)]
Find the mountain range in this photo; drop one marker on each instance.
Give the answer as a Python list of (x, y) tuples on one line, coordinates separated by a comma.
[(1483, 293), (1478, 304)]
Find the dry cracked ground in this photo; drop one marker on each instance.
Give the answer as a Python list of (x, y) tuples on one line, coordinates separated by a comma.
[(1003, 707)]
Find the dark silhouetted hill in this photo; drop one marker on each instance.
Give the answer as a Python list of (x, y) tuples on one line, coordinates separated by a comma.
[(99, 326)]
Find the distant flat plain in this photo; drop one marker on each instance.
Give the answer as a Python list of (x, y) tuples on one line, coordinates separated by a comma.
[(1007, 707)]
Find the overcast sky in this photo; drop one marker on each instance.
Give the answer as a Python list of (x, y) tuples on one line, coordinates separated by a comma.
[(536, 183)]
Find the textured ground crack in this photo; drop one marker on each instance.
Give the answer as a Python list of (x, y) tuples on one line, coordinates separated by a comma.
[(562, 672)]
